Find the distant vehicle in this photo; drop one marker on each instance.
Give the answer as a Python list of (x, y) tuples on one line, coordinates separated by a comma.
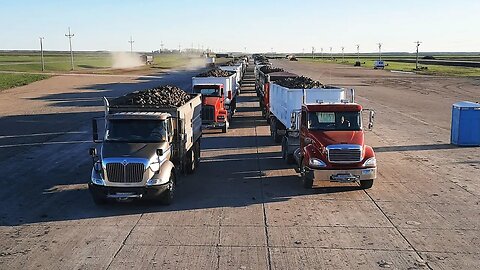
[(210, 62), (379, 64), (147, 59)]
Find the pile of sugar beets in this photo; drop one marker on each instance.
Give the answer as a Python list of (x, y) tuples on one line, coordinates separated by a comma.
[(216, 73), (161, 96), (301, 82)]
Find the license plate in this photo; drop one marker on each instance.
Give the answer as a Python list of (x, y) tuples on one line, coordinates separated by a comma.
[(367, 171)]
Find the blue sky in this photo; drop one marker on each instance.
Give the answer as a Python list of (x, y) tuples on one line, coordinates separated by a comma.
[(259, 26)]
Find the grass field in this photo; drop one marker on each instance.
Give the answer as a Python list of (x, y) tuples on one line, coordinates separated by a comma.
[(85, 62), (438, 70), (10, 80)]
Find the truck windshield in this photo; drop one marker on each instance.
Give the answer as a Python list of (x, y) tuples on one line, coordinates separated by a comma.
[(208, 91), (334, 121), (129, 130)]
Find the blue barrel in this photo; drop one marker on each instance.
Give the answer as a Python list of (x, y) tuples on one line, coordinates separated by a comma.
[(465, 124)]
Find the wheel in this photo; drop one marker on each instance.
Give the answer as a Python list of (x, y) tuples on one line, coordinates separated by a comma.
[(191, 164), (285, 155), (99, 199), (225, 127), (168, 196), (307, 178), (366, 184), (197, 149)]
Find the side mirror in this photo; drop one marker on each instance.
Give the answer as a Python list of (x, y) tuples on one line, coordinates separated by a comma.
[(159, 152), (371, 119), (95, 130), (92, 152)]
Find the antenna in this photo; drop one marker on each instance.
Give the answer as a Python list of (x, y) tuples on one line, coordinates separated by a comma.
[(70, 35)]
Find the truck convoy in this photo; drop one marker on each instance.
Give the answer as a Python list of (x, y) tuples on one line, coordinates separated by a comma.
[(149, 139)]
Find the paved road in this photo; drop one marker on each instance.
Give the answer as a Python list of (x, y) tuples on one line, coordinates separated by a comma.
[(244, 208)]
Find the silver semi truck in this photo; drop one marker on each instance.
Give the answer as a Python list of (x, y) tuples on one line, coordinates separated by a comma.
[(143, 150)]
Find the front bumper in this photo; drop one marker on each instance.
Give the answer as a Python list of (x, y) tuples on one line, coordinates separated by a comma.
[(147, 192), (213, 125), (345, 176)]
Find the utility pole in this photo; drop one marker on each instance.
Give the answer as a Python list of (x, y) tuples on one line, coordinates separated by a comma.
[(416, 60), (358, 53), (331, 54), (179, 48), (313, 52), (343, 54), (70, 35), (379, 51), (321, 52), (131, 41), (41, 53)]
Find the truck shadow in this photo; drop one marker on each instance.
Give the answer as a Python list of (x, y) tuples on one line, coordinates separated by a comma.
[(420, 147)]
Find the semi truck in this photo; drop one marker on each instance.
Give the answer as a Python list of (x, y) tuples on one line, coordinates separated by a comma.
[(230, 89), (215, 112), (322, 132), (143, 150)]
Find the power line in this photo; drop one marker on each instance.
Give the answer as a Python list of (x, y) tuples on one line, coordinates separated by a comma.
[(379, 51), (416, 61), (131, 41), (41, 53), (70, 35)]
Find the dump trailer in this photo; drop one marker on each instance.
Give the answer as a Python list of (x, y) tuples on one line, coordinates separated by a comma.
[(267, 76), (238, 69), (144, 149)]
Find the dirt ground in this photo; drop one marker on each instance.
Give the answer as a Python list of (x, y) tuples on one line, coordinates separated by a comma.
[(244, 208)]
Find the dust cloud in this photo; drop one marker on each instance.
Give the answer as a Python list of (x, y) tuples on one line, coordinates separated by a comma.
[(123, 60)]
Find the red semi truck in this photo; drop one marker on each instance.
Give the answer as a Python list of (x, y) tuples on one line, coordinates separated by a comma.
[(332, 145), (214, 112), (323, 132)]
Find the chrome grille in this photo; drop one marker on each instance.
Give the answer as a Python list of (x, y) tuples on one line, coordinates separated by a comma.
[(129, 173), (208, 113), (345, 155)]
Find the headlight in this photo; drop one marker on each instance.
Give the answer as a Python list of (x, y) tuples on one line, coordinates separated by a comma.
[(316, 163), (98, 166), (371, 162), (155, 166)]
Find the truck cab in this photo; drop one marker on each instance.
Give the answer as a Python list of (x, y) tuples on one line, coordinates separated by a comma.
[(214, 112), (332, 145)]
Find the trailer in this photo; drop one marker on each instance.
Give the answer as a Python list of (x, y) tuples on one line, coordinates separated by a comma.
[(144, 150)]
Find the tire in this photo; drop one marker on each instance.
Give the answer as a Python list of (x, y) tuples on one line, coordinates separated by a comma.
[(169, 195), (197, 148), (191, 164), (289, 159), (307, 178), (225, 128), (366, 184)]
